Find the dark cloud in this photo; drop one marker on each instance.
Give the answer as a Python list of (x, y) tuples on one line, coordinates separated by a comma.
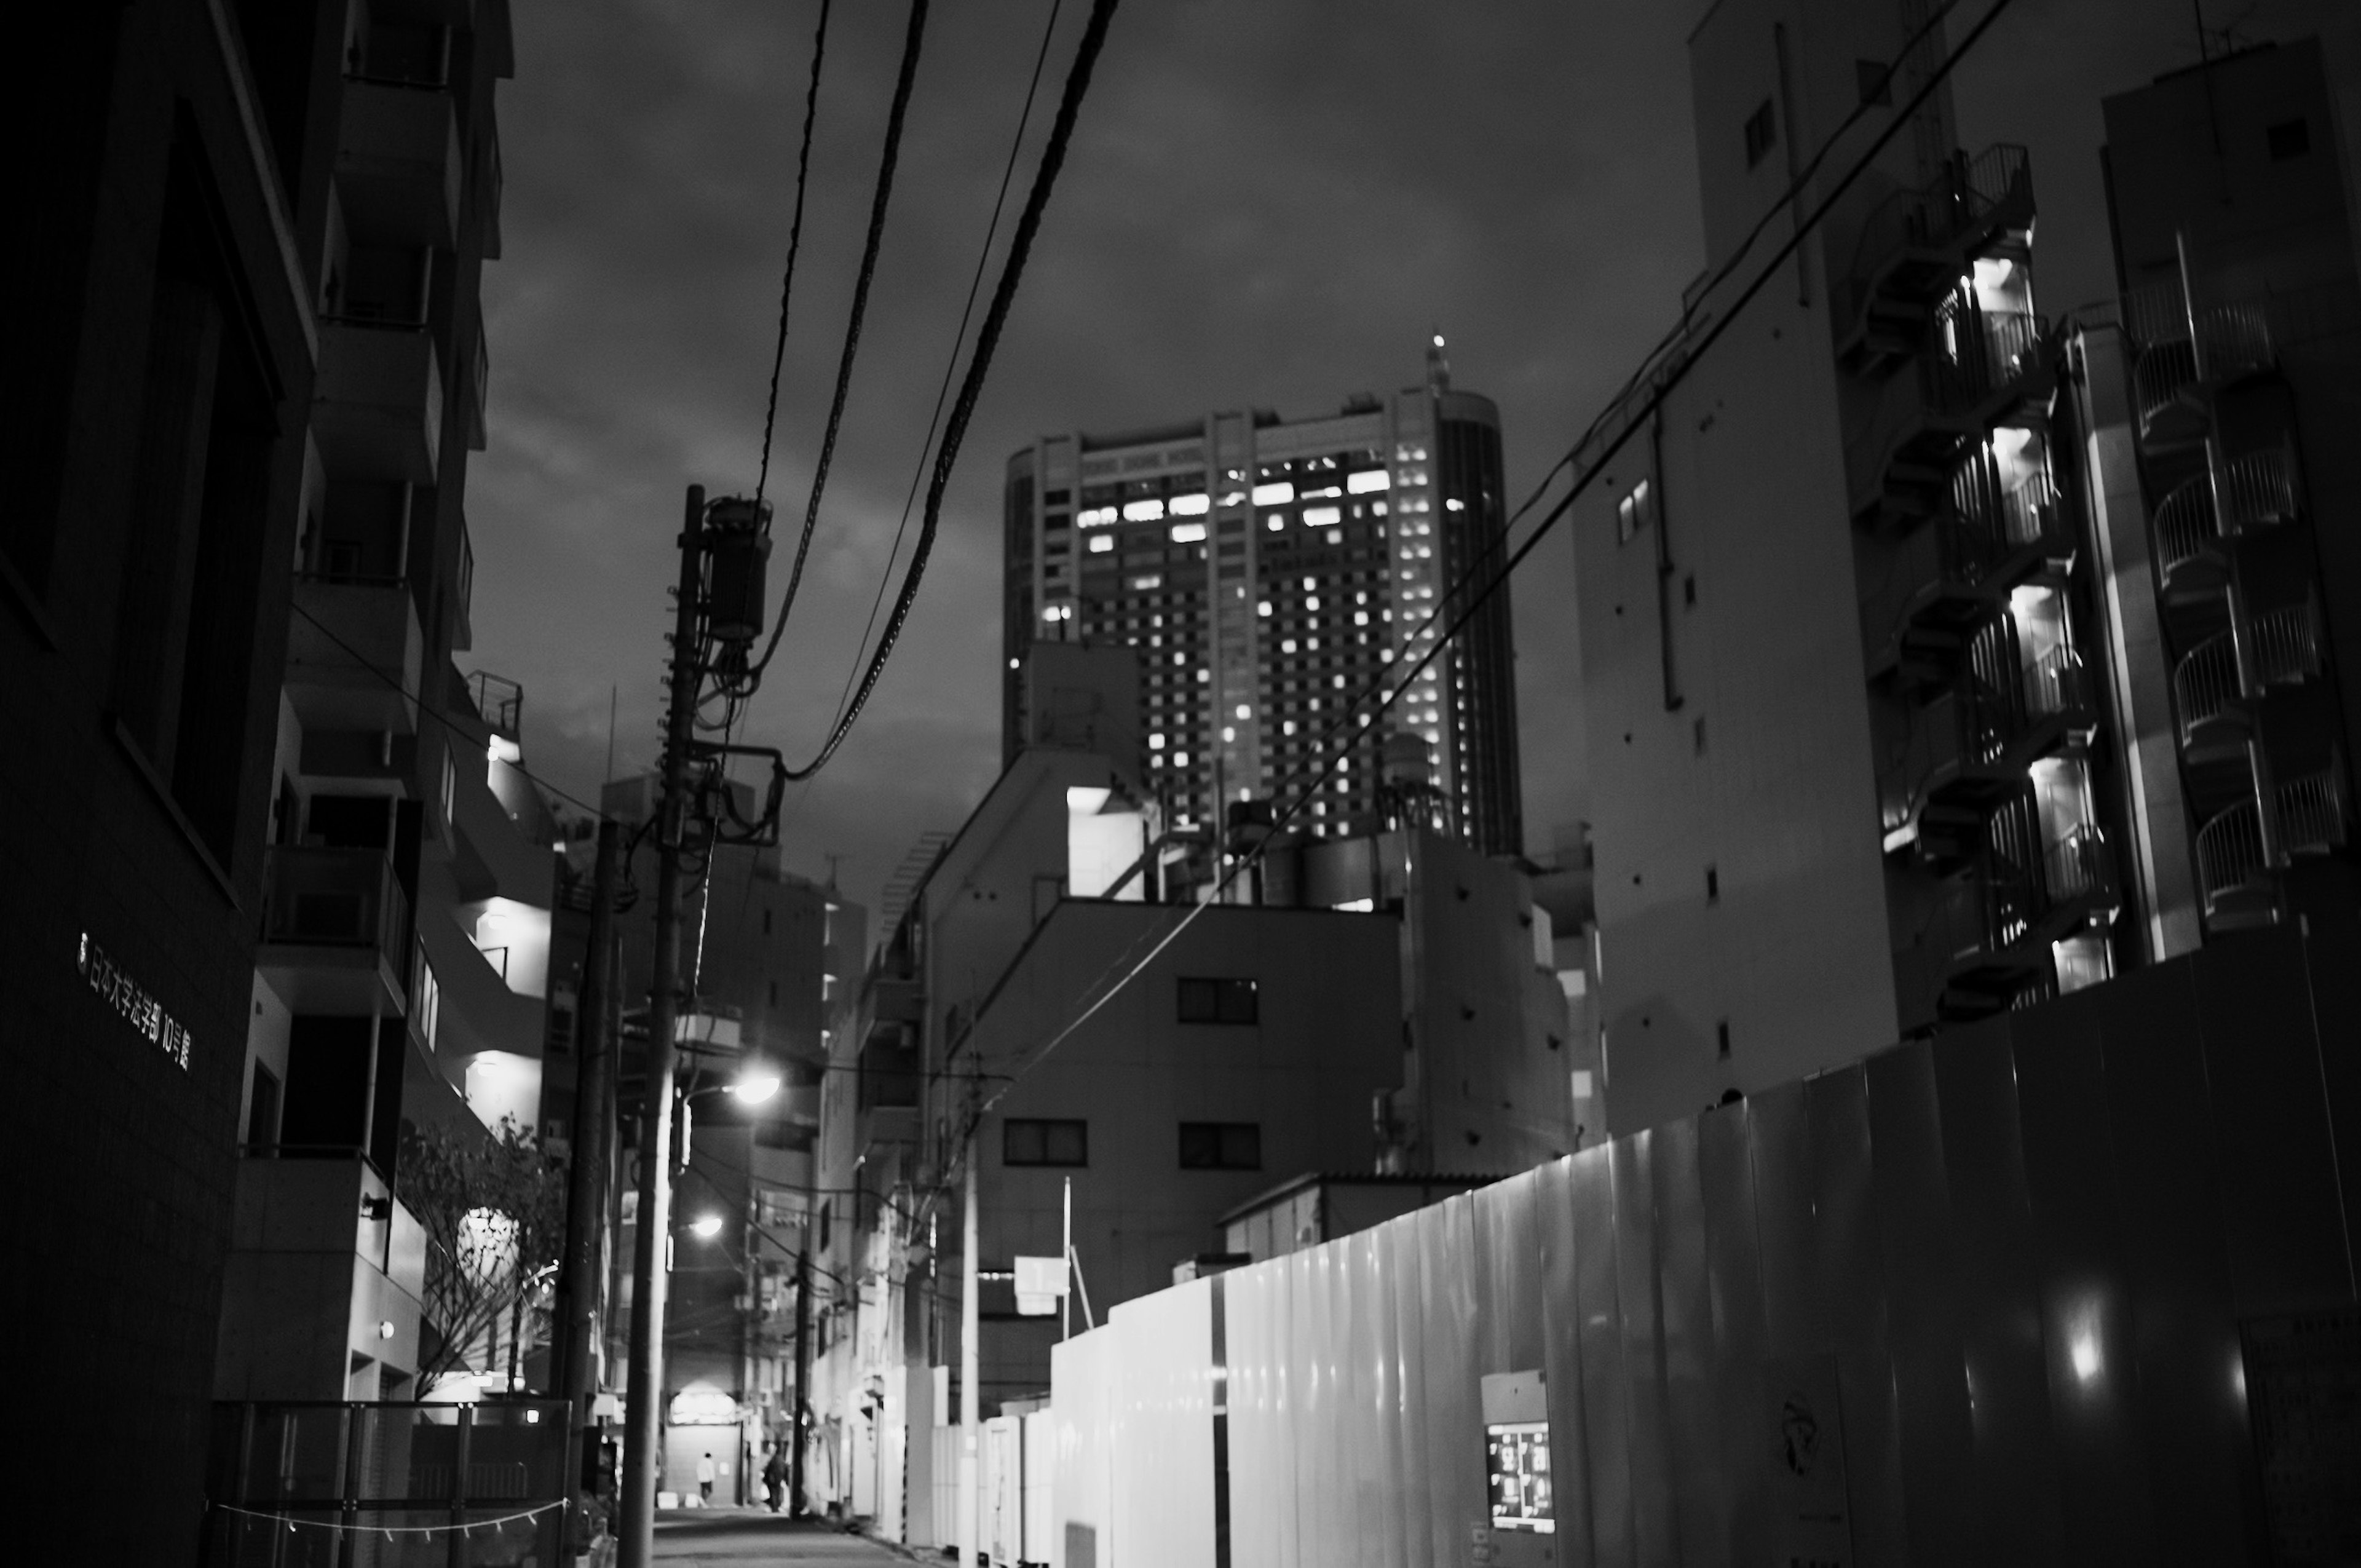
[(1268, 204)]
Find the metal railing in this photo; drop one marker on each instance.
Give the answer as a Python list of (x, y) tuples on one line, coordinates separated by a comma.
[(499, 699), (2058, 685), (1978, 353), (1958, 203), (2210, 345), (2080, 867), (316, 897), (2229, 851), (2311, 812), (2028, 514), (2257, 489), (2285, 647), (2205, 682), (2185, 524)]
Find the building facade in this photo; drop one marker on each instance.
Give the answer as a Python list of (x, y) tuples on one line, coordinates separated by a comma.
[(406, 918), (1913, 607), (1268, 570)]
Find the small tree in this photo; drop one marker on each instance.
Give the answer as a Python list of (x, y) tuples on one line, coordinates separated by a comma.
[(494, 1213)]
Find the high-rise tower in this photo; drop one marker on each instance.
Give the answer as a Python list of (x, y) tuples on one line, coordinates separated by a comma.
[(1268, 570)]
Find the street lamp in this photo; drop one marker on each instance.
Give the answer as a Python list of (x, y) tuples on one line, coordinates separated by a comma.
[(755, 1085), (706, 1225)]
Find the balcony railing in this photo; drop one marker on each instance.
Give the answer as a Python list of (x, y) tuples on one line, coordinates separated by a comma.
[(2230, 860), (2057, 685), (1913, 246), (335, 898), (2312, 813), (2258, 489), (379, 392), (2283, 648), (499, 700), (2191, 354), (2080, 870), (2187, 532)]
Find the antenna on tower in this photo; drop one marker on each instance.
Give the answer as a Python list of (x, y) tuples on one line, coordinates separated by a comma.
[(1438, 365)]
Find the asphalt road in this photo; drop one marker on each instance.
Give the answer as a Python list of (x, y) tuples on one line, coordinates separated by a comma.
[(755, 1539)]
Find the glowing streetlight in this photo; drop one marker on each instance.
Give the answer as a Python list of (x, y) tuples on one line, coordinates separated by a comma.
[(706, 1225), (755, 1086)]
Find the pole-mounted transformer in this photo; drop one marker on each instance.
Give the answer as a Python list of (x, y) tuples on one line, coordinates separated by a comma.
[(737, 553)]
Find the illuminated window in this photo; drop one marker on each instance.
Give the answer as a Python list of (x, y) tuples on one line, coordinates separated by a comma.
[(1189, 506), (1370, 479), (1274, 495), (1102, 543), (1188, 532), (1322, 517)]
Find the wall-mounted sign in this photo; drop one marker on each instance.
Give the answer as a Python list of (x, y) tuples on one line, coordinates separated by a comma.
[(1521, 1525), (128, 997), (704, 1407)]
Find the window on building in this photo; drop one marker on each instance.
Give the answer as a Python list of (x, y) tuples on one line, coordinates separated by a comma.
[(1634, 511), (1220, 1145), (1761, 133), (2289, 139), (1220, 1001), (1035, 1140)]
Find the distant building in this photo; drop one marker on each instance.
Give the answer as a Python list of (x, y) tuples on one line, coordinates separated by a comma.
[(1942, 656), (1386, 1001), (1268, 571), (771, 958)]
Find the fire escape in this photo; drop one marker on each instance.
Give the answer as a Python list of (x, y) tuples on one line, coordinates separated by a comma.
[(2239, 592), (1983, 708)]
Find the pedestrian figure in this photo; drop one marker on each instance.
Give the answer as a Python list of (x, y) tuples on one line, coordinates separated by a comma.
[(704, 1478), (775, 1476)]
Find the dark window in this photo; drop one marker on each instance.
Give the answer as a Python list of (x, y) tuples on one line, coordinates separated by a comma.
[(2289, 139), (1208, 1000), (1721, 1038), (262, 1110), (1761, 133), (1875, 79), (766, 922), (1041, 1141), (1712, 885), (823, 1227), (1220, 1145)]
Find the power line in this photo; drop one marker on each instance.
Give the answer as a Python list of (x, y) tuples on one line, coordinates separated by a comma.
[(950, 365), (1673, 371), (1029, 224), (911, 42), (795, 243)]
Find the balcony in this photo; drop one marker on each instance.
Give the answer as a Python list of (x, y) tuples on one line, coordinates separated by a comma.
[(1916, 246), (377, 403), (2216, 705), (2236, 869), (397, 163), (355, 654), (1984, 366), (2199, 523), (334, 923), (1959, 570), (1970, 750), (2001, 923), (2189, 357)]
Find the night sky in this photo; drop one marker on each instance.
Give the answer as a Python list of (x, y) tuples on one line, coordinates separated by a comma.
[(1267, 204)]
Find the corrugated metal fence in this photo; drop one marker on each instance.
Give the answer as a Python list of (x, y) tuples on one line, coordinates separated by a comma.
[(2025, 1295)]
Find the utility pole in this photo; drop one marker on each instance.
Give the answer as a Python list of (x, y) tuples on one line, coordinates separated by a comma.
[(802, 1374), (971, 1455), (579, 1297), (644, 1414)]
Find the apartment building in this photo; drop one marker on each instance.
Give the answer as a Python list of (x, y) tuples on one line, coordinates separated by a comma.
[(1268, 571), (1921, 686), (214, 446), (404, 921)]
